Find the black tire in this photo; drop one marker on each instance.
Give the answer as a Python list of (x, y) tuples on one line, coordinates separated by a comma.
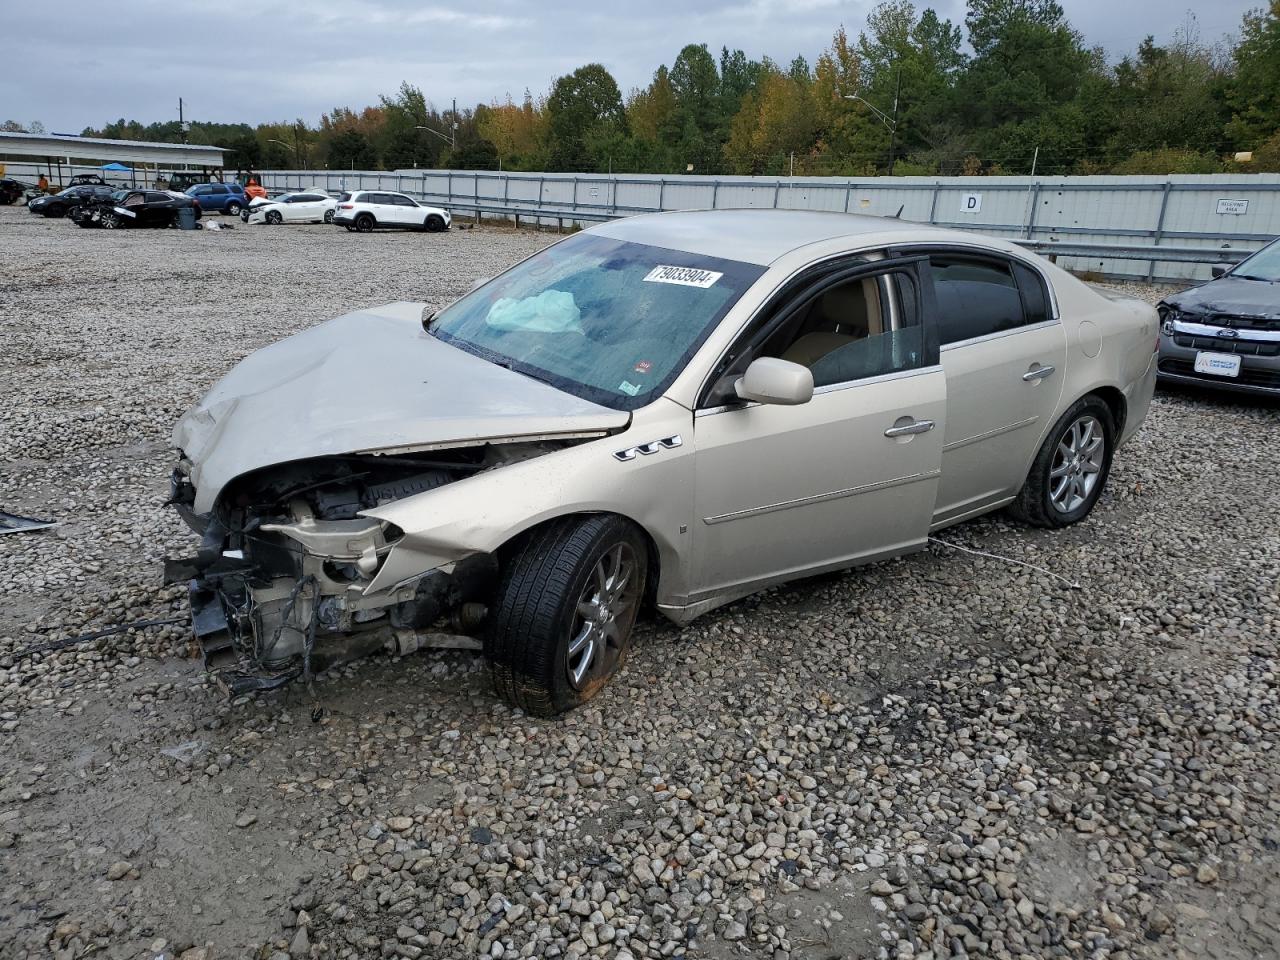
[(54, 211), (273, 218), (365, 223), (537, 612), (244, 215), (435, 223), (110, 220), (328, 216), (233, 209), (1035, 503)]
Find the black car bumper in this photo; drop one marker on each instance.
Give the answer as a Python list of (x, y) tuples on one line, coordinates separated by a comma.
[(1259, 371)]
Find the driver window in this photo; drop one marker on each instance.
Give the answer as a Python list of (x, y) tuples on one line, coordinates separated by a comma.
[(865, 327)]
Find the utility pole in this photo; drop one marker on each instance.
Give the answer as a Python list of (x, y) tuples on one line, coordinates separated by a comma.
[(182, 123), (893, 128)]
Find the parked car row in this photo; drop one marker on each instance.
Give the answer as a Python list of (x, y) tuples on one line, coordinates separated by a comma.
[(359, 211)]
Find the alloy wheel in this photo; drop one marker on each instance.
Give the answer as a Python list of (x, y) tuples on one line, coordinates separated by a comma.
[(1077, 464), (603, 618)]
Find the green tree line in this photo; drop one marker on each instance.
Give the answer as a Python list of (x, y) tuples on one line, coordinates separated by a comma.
[(1013, 85)]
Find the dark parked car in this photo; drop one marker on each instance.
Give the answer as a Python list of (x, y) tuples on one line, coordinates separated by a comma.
[(225, 197), (1226, 333), (61, 204), (182, 181), (135, 208), (11, 191)]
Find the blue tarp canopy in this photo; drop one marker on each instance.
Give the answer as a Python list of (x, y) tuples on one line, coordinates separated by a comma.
[(116, 166)]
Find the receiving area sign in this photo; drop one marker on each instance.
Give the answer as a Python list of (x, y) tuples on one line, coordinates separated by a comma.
[(1234, 207)]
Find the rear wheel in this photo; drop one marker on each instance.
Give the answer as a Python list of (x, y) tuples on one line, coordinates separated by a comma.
[(562, 618), (1071, 468), (328, 216), (365, 222), (273, 217), (233, 209)]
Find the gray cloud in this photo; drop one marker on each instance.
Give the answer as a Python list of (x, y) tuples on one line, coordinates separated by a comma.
[(290, 58)]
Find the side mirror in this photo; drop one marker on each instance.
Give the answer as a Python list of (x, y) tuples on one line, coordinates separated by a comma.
[(1218, 270), (771, 380)]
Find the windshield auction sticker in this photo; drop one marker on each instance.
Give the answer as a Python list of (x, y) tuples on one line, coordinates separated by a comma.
[(684, 276)]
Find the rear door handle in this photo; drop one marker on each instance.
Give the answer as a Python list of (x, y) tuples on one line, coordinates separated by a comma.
[(916, 426), (1039, 373)]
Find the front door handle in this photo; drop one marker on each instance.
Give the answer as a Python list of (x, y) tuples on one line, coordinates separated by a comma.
[(906, 429), (1039, 373)]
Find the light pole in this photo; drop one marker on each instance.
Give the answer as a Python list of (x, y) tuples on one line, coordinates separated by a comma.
[(297, 148), (450, 140), (889, 121)]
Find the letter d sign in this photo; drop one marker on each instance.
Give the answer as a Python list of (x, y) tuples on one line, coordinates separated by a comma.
[(971, 203)]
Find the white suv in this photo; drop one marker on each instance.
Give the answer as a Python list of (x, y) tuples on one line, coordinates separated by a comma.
[(365, 210)]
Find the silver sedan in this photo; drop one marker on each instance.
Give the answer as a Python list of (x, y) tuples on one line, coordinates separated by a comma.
[(673, 410)]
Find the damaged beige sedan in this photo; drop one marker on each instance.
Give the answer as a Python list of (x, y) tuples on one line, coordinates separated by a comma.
[(672, 410)]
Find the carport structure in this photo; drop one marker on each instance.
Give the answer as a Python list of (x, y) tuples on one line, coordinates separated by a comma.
[(54, 150)]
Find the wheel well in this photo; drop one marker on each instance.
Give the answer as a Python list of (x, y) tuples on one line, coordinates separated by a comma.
[(1115, 402), (505, 552)]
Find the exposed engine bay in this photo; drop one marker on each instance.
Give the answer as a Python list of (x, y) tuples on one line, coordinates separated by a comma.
[(280, 586)]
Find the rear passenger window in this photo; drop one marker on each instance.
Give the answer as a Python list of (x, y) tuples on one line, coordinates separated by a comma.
[(975, 298), (1035, 304)]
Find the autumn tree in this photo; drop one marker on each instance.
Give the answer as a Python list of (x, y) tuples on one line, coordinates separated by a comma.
[(584, 106)]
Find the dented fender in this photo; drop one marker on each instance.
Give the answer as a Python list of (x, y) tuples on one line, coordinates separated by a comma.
[(479, 514)]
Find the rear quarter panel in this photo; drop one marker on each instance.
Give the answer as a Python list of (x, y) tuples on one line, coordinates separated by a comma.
[(1111, 343)]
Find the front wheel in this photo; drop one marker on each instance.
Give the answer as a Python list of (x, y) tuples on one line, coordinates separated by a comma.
[(273, 217), (233, 209), (435, 223), (244, 215), (561, 622), (109, 220), (1071, 468)]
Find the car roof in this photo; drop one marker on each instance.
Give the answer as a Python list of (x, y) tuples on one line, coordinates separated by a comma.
[(753, 235)]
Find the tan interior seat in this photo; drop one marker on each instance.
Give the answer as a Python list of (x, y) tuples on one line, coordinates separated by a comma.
[(842, 317)]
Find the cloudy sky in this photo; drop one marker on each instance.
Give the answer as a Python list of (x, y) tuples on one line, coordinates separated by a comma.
[(283, 59)]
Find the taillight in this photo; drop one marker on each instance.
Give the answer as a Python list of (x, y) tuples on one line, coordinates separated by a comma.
[(346, 206)]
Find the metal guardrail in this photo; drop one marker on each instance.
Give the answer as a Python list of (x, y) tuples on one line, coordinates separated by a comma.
[(1047, 248), (1153, 254)]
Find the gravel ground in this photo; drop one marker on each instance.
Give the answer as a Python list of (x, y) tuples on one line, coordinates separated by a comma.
[(941, 756)]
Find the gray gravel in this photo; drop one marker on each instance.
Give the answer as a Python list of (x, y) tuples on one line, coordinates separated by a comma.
[(941, 756)]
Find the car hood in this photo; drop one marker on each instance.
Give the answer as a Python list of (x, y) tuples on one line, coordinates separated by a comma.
[(1245, 298), (371, 381)]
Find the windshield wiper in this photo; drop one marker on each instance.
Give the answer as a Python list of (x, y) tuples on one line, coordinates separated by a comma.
[(1250, 276)]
